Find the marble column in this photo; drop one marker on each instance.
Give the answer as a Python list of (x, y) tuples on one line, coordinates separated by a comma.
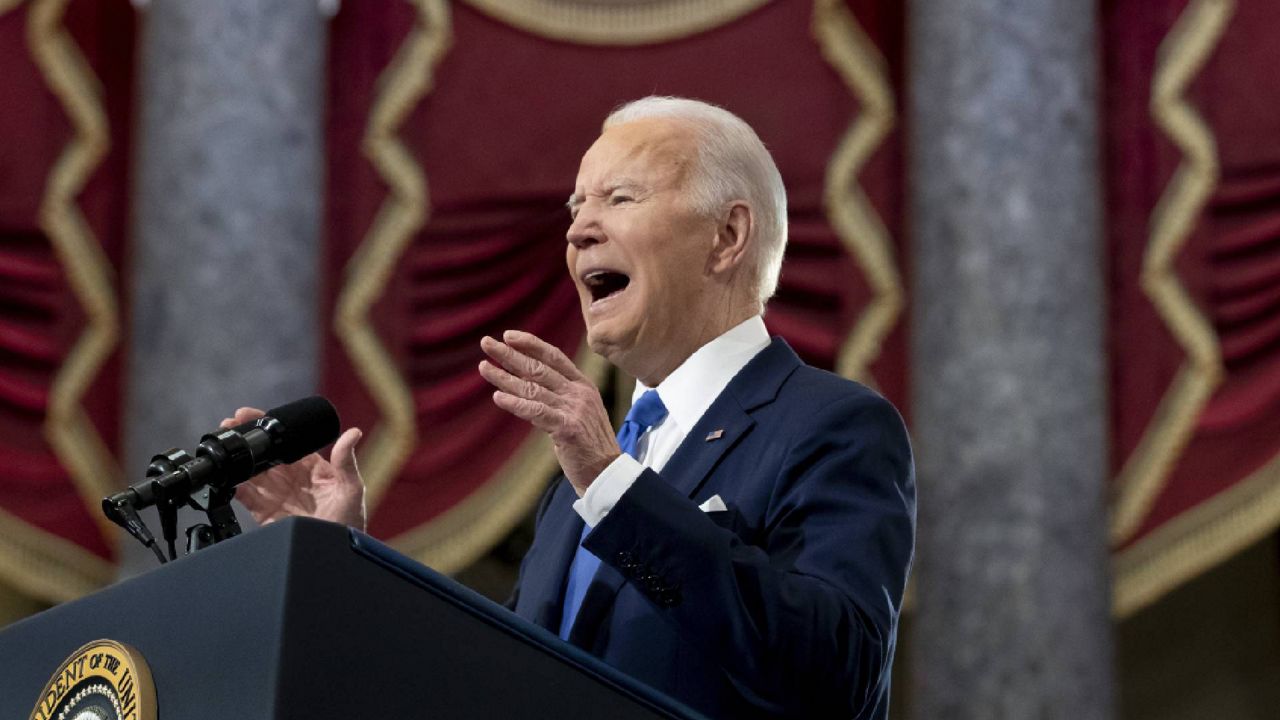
[(1008, 404), (226, 237)]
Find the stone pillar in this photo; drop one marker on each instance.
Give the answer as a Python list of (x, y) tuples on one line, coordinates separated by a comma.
[(1008, 403), (227, 218)]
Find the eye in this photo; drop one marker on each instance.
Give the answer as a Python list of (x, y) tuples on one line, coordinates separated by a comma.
[(620, 198)]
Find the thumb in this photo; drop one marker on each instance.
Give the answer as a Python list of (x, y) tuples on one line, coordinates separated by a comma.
[(343, 456)]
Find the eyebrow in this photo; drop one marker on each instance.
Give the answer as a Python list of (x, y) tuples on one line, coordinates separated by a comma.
[(622, 182), (575, 200)]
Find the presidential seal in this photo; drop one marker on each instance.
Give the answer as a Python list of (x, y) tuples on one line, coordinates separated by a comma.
[(104, 680)]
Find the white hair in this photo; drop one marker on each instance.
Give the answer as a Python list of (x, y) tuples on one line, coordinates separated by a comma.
[(732, 164)]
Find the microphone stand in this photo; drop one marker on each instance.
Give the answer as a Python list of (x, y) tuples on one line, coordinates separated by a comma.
[(221, 515), (169, 497), (170, 491), (222, 518)]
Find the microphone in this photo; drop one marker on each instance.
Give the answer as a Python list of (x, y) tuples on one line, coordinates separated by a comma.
[(229, 456)]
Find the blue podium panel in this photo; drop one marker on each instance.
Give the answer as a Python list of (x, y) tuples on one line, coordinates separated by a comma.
[(306, 619)]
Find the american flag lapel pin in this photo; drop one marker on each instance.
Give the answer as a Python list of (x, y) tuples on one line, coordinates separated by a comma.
[(715, 435)]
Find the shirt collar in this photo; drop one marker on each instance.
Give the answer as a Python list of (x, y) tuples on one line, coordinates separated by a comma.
[(691, 388)]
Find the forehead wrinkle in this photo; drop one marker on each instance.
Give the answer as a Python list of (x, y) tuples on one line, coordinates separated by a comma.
[(668, 154), (621, 181), (660, 151)]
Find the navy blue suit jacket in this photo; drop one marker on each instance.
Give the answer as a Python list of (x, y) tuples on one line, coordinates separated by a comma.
[(786, 604)]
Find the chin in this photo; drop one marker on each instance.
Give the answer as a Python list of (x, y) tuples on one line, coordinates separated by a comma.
[(610, 345), (600, 343)]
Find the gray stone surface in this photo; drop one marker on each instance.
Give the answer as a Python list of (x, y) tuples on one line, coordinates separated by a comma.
[(1008, 395), (227, 217)]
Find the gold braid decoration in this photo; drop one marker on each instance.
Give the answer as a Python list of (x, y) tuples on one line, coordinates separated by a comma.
[(1197, 540), (1234, 518), (46, 566), (610, 22), (1181, 55), (32, 559), (851, 213), (405, 81), (467, 530), (67, 427)]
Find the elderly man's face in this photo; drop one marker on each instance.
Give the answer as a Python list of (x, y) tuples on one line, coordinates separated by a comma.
[(637, 251)]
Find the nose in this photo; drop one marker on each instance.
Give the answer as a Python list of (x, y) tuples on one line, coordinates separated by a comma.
[(585, 229)]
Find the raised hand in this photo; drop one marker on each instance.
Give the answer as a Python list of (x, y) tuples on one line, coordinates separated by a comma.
[(538, 383), (313, 487)]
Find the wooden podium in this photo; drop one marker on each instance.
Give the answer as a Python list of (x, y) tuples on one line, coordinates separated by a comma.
[(306, 619)]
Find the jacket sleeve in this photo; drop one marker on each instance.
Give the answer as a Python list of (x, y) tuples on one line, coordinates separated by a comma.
[(802, 623)]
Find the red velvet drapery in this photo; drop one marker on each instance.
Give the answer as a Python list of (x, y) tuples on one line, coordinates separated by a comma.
[(453, 140), (1193, 196), (66, 89)]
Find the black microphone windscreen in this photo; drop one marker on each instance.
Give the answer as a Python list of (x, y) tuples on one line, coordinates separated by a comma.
[(309, 424)]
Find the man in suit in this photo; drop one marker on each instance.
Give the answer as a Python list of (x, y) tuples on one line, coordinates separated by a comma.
[(743, 543)]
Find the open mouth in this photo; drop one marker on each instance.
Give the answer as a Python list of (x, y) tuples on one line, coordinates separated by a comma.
[(605, 283)]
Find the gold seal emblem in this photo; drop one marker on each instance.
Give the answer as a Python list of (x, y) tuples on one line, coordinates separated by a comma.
[(104, 680)]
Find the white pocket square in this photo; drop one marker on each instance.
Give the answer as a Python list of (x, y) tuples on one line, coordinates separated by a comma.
[(713, 504)]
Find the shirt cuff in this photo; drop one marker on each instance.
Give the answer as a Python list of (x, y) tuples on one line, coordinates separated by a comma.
[(607, 489)]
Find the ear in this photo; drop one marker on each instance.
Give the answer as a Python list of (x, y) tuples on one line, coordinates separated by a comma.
[(732, 236)]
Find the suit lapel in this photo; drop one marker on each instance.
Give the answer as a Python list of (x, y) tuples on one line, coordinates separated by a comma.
[(726, 424), (729, 420)]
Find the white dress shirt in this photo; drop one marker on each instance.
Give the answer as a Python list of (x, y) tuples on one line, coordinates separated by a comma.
[(687, 393)]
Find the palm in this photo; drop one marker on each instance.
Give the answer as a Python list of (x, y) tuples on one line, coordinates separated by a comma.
[(312, 487), (304, 488)]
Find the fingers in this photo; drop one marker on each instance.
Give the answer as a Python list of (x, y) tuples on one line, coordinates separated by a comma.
[(515, 386), (541, 350), (260, 504), (250, 496), (540, 385), (343, 456), (522, 365), (242, 416), (535, 413)]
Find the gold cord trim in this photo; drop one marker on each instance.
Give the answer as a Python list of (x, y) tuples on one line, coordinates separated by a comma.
[(404, 211), (1181, 55), (460, 535), (74, 439), (45, 566), (596, 22), (847, 48), (1197, 540)]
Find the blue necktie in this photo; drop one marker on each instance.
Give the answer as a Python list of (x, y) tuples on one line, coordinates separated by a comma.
[(647, 412)]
